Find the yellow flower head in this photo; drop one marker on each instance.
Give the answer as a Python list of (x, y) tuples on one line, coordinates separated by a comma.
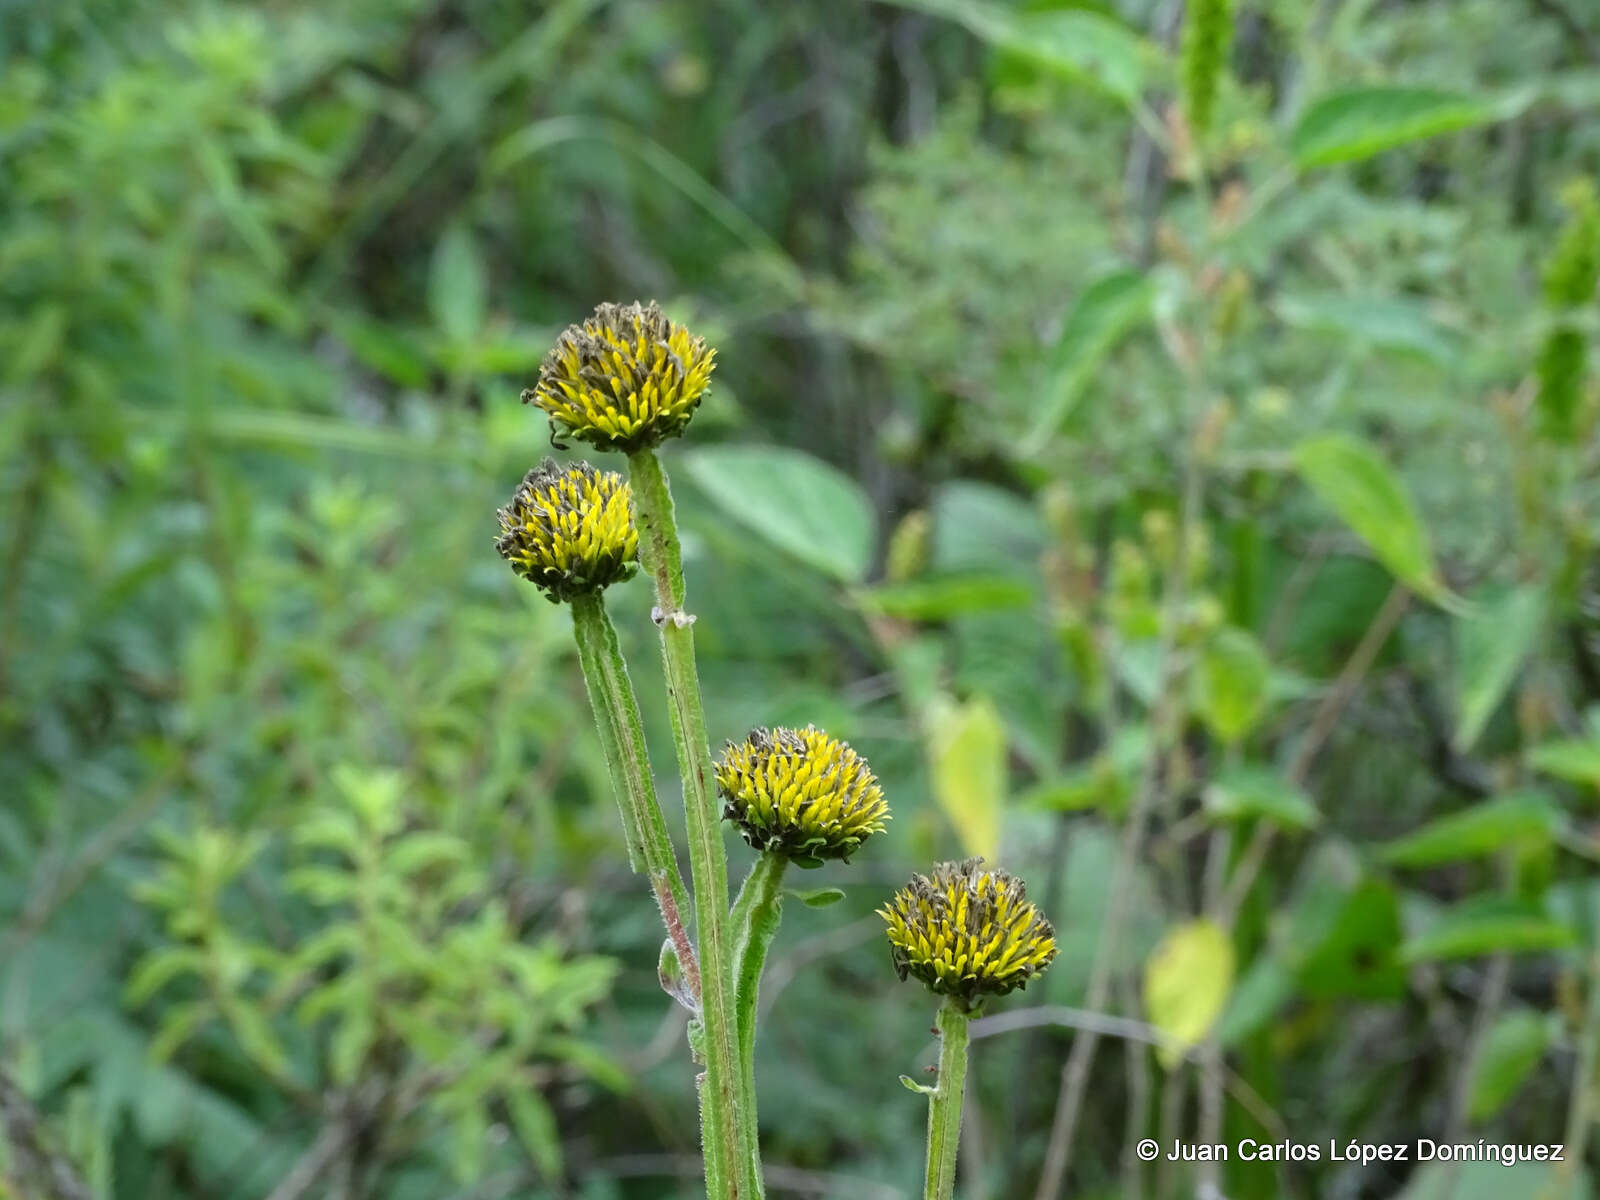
[(625, 379), (967, 932), (570, 530), (800, 793)]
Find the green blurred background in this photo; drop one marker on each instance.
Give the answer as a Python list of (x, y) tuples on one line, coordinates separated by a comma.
[(1149, 444)]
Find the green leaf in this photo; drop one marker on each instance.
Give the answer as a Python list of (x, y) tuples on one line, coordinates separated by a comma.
[(161, 967), (911, 1085), (967, 753), (1342, 930), (1486, 925), (536, 1129), (798, 503), (1077, 44), (1258, 791), (1230, 684), (1576, 760), (1520, 819), (941, 597), (1186, 985), (256, 1037), (1097, 784), (819, 897), (383, 349), (458, 287), (1350, 477), (1401, 326), (1492, 641), (1360, 122), (1259, 996), (1511, 1050), (1106, 312)]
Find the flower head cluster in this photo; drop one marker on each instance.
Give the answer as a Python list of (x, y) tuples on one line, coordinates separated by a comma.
[(800, 793), (967, 932), (570, 530), (625, 379)]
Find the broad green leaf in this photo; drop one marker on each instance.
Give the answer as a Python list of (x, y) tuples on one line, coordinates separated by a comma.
[(1511, 1050), (980, 528), (941, 597), (1402, 326), (1076, 44), (458, 288), (1486, 925), (796, 502), (1492, 642), (1186, 985), (967, 755), (1230, 684), (1360, 122), (1258, 791), (1356, 956), (1520, 819), (1106, 312), (819, 897), (1351, 478), (1576, 760)]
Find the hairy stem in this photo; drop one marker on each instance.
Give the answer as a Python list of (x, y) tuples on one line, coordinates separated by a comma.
[(944, 1103), (756, 913), (726, 1129), (616, 713)]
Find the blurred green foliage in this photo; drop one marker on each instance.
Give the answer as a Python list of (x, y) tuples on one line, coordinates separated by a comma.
[(1231, 482)]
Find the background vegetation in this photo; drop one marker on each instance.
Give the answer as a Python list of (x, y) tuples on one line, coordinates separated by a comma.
[(1166, 448)]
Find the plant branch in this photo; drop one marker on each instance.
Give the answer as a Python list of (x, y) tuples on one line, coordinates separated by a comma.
[(728, 1133), (756, 913), (36, 1165), (616, 711), (944, 1103)]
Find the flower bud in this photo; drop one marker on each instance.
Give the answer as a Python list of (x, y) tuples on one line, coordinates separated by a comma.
[(967, 932), (801, 794), (626, 379), (570, 530)]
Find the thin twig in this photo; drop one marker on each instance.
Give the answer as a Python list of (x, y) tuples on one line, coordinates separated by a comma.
[(36, 1164)]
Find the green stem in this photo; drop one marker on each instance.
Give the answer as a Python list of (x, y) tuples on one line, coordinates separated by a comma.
[(944, 1103), (756, 913), (616, 712), (722, 1120), (1580, 1106)]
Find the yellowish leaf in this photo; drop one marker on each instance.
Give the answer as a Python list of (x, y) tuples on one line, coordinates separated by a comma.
[(1186, 985), (967, 757)]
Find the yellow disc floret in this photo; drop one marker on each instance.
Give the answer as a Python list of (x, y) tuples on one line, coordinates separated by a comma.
[(967, 932), (625, 379), (570, 530), (800, 793)]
